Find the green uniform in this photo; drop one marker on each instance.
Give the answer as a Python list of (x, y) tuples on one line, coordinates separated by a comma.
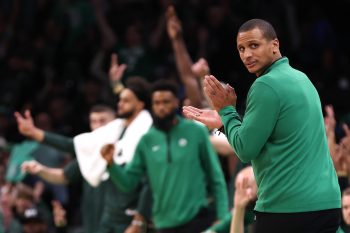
[(105, 208), (92, 205), (119, 209), (93, 199), (180, 165), (283, 135)]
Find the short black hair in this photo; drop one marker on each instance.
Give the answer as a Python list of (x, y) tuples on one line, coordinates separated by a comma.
[(165, 85), (140, 87), (102, 108), (265, 27)]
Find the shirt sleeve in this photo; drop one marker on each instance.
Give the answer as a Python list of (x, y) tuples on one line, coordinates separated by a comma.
[(59, 142), (248, 137), (223, 226), (72, 172), (145, 202), (214, 175), (127, 178)]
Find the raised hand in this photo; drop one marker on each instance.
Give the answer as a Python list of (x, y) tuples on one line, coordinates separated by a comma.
[(174, 28), (107, 152), (329, 120), (200, 68), (330, 123), (32, 167), (220, 96), (345, 141), (59, 214), (116, 71), (25, 123), (244, 192), (138, 225), (208, 117)]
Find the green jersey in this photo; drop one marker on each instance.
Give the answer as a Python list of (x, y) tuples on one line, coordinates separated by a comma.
[(92, 204), (283, 135), (181, 166)]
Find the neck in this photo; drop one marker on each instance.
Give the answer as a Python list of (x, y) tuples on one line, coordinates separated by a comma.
[(276, 58), (132, 118)]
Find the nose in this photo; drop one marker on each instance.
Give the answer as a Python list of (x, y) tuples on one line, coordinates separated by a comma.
[(247, 53)]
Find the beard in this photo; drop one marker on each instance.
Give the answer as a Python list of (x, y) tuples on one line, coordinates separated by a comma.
[(126, 115), (164, 123)]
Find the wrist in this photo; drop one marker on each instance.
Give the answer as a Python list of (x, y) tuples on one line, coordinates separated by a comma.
[(37, 135), (117, 86), (138, 223)]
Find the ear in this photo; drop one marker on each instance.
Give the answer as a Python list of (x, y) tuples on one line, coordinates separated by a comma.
[(275, 46)]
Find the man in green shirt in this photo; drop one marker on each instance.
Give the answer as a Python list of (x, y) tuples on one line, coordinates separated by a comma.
[(282, 134), (92, 198), (181, 165), (133, 120)]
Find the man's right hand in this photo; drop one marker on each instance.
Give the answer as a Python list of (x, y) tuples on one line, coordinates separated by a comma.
[(116, 70), (107, 152), (32, 167), (26, 126), (174, 27)]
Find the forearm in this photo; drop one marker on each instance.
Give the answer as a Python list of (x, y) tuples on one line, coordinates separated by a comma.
[(237, 222), (221, 145), (221, 199), (144, 205), (59, 142), (183, 64), (37, 135), (232, 124), (53, 175), (217, 186), (123, 180)]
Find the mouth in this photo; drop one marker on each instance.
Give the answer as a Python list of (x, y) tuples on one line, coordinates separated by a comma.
[(250, 65)]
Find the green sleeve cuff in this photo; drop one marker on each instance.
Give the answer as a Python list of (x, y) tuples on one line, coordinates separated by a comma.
[(226, 109), (59, 142)]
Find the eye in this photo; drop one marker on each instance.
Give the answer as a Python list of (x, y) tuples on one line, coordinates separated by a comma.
[(241, 49), (253, 46)]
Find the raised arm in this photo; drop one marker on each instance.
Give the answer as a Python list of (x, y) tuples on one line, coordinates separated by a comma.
[(336, 151), (115, 74), (330, 124), (245, 192), (182, 58), (27, 128)]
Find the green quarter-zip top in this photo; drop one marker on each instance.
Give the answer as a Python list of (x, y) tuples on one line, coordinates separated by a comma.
[(283, 135), (181, 166)]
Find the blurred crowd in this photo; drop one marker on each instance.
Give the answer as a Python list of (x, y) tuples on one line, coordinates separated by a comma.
[(55, 60)]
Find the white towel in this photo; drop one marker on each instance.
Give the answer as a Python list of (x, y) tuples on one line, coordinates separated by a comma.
[(88, 145)]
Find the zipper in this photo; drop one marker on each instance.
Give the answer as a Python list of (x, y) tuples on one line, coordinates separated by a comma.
[(168, 147)]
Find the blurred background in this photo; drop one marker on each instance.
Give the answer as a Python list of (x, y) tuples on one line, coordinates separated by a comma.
[(55, 54)]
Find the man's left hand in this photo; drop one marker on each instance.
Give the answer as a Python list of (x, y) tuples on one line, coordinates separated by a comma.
[(220, 96)]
